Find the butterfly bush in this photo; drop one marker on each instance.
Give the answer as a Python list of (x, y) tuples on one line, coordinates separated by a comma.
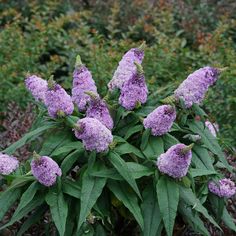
[(175, 162), (160, 120), (45, 170), (8, 164), (116, 157), (37, 86), (222, 188), (82, 82), (94, 134), (193, 89), (126, 67), (98, 109), (58, 101), (134, 91)]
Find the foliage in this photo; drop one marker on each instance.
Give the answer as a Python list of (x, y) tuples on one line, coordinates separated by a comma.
[(123, 184)]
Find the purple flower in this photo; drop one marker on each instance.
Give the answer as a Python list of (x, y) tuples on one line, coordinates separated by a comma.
[(8, 164), (193, 89), (134, 91), (82, 82), (175, 161), (126, 67), (213, 127), (160, 120), (58, 101), (37, 86), (98, 109), (222, 188), (45, 170), (94, 134)]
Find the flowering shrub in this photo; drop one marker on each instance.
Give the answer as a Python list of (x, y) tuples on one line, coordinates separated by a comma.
[(129, 156)]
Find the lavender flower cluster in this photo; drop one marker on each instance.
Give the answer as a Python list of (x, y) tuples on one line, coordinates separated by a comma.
[(160, 120), (45, 170), (222, 188), (193, 89), (94, 134), (175, 161), (8, 164)]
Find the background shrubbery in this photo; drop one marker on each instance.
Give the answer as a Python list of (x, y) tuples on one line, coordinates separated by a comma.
[(44, 37)]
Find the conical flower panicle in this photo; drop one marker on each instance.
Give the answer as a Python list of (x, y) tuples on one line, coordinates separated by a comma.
[(45, 170), (160, 120), (8, 164), (134, 91), (82, 82), (58, 101), (98, 109), (94, 134), (175, 161), (222, 188), (193, 89), (37, 86), (126, 68)]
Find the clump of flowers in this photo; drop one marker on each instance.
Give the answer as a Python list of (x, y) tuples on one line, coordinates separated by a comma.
[(175, 161), (126, 67), (82, 82), (213, 127), (58, 102), (94, 134), (193, 89), (45, 170), (8, 164), (134, 91), (222, 188), (37, 86), (98, 109), (160, 120)]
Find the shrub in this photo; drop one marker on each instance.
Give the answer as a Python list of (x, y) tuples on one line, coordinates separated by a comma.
[(139, 177)]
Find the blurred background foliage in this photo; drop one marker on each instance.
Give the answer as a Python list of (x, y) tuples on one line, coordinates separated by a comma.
[(44, 37)]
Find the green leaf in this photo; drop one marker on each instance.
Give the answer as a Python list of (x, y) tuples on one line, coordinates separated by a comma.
[(71, 188), (209, 140), (58, 208), (100, 231), (202, 154), (192, 219), (28, 137), (91, 189), (145, 138), (7, 199), (70, 160), (20, 181), (189, 198), (201, 172), (169, 141), (154, 147), (126, 148), (217, 204), (32, 219), (128, 198), (137, 171), (151, 212), (133, 130), (27, 196), (37, 201), (67, 148), (228, 220), (123, 170), (168, 199)]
